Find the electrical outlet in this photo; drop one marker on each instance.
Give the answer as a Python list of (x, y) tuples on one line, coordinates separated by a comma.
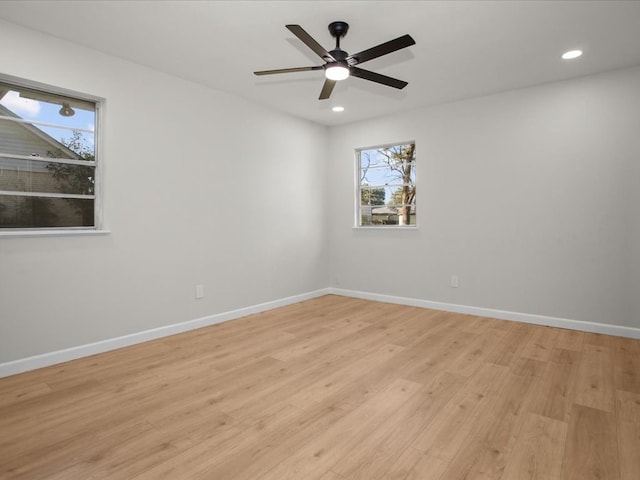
[(454, 281), (199, 292)]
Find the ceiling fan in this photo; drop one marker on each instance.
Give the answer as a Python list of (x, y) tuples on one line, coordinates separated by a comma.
[(339, 64)]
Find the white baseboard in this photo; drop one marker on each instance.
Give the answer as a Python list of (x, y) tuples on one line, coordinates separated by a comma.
[(52, 358), (592, 327)]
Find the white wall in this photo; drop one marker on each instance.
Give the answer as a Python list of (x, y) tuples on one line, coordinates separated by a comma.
[(529, 196), (201, 187)]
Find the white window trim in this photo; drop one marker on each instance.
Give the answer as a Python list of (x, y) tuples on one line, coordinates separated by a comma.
[(356, 183), (52, 232), (407, 228), (99, 224), (37, 158)]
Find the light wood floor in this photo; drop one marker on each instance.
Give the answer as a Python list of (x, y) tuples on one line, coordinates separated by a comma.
[(334, 388)]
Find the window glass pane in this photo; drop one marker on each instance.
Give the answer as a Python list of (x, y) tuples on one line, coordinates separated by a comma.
[(365, 214), (381, 176), (397, 195), (46, 177), (386, 156), (45, 141), (384, 215), (387, 215), (401, 195), (32, 212), (373, 195), (371, 158), (387, 176)]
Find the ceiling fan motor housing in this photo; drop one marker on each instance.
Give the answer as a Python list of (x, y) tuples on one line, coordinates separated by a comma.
[(339, 55)]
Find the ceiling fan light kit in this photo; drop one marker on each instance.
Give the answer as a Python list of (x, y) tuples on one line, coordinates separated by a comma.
[(337, 72), (339, 65)]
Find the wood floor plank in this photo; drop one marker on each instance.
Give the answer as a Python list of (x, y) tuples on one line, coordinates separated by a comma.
[(484, 454), (451, 344), (629, 445), (592, 446), (268, 452), (628, 407), (209, 452), (460, 416), (625, 345), (527, 367), (627, 369), (334, 388), (429, 468), (311, 460), (476, 353), (25, 392), (538, 452), (330, 475), (538, 346), (338, 379), (595, 380), (569, 339), (403, 467), (557, 389), (596, 340), (510, 345), (295, 348), (382, 448)]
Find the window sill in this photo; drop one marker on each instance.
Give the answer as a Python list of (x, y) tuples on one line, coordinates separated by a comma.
[(52, 233), (387, 227)]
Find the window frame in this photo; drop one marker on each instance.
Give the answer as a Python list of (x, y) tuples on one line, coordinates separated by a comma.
[(357, 218), (97, 163)]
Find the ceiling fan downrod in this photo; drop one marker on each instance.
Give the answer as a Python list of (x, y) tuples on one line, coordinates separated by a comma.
[(338, 30)]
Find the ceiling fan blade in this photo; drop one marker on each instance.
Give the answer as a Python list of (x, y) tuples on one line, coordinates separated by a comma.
[(378, 78), (287, 70), (382, 49), (327, 88), (299, 32)]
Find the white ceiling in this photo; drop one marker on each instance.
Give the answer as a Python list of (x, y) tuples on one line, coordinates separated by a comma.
[(463, 49)]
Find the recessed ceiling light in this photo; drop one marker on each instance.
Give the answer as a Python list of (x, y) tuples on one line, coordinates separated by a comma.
[(571, 54), (338, 109)]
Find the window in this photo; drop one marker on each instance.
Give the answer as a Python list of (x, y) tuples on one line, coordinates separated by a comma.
[(386, 193), (48, 164)]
